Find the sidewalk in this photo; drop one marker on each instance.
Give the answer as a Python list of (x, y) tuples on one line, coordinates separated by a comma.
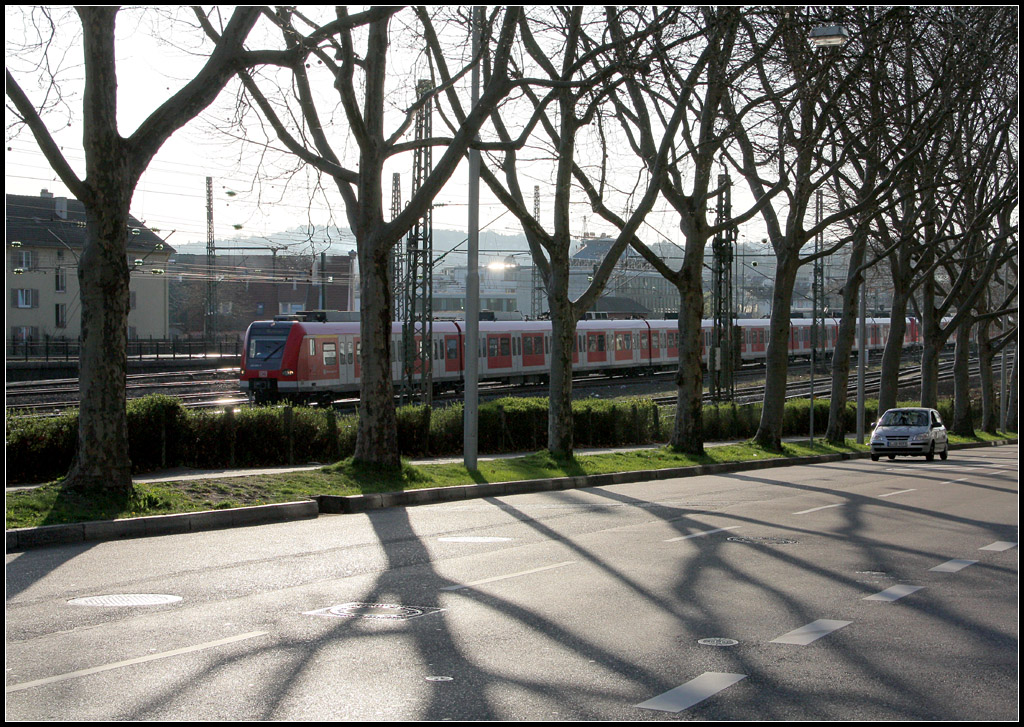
[(23, 538)]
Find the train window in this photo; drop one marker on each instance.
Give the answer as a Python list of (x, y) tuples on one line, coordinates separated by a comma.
[(330, 354), (516, 346), (547, 344), (453, 349), (348, 352), (528, 346), (505, 347), (492, 347), (312, 347)]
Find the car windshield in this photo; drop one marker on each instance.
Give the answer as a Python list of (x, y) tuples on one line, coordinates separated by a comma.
[(904, 419)]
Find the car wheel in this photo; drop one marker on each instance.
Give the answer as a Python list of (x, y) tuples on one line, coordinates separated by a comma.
[(931, 453), (945, 452), (892, 456), (874, 457)]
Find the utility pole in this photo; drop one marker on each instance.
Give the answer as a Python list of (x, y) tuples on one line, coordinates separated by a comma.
[(720, 355), (211, 260), (418, 323), (537, 288), (397, 254), (471, 352)]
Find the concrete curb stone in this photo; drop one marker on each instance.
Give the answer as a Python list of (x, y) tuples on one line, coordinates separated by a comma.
[(23, 538)]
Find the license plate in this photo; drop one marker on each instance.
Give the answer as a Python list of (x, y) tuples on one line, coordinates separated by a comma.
[(897, 444)]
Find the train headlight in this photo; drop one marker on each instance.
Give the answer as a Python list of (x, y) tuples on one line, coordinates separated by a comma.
[(287, 372)]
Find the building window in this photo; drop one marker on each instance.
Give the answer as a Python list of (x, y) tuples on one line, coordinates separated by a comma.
[(26, 259), (60, 315), (60, 280), (25, 298), (25, 333), (131, 300)]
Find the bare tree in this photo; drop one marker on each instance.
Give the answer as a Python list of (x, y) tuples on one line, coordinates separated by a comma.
[(302, 122), (113, 165), (577, 85), (694, 62)]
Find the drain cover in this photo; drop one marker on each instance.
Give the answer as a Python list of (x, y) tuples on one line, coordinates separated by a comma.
[(760, 541), (125, 599), (387, 611), (717, 641)]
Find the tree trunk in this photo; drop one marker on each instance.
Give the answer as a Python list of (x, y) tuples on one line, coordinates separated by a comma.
[(835, 432), (560, 423), (688, 432), (989, 409), (377, 435), (963, 420), (102, 462), (769, 431)]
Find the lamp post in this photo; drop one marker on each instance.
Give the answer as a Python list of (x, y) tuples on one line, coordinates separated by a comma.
[(821, 36)]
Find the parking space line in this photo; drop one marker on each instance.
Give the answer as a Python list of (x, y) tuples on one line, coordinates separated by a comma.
[(130, 662), (694, 691), (811, 632), (898, 492), (815, 509), (507, 576), (893, 593), (999, 545), (701, 534), (952, 566)]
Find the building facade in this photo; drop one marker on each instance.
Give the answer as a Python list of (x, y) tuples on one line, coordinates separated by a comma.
[(45, 238)]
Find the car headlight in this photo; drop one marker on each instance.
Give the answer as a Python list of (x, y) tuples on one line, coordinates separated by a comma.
[(923, 437)]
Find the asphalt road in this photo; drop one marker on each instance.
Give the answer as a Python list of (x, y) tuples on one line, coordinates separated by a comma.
[(853, 590)]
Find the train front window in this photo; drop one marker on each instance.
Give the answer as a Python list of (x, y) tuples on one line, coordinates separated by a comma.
[(265, 351)]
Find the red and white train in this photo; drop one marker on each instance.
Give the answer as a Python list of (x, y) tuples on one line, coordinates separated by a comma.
[(304, 361)]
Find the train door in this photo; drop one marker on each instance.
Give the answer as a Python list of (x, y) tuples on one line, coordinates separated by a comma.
[(453, 353), (533, 349), (499, 351), (596, 348), (623, 346)]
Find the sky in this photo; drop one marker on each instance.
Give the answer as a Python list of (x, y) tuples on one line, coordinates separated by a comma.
[(171, 196)]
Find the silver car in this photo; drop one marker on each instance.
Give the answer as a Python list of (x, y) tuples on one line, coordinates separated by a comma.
[(909, 432)]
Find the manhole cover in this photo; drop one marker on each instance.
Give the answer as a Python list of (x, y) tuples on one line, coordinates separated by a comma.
[(717, 641), (760, 541), (125, 599), (386, 611)]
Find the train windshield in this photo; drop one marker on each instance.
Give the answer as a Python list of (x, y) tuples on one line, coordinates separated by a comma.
[(266, 349)]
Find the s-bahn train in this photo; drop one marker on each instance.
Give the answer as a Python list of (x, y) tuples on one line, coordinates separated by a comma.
[(304, 361)]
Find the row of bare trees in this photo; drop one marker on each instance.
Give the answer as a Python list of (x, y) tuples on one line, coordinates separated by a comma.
[(908, 134)]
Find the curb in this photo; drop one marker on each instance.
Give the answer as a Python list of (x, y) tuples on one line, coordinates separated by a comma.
[(188, 522), (23, 538)]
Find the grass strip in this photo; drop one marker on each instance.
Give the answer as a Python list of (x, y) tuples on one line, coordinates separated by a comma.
[(52, 504)]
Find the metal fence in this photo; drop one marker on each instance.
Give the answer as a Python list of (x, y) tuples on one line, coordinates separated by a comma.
[(173, 348)]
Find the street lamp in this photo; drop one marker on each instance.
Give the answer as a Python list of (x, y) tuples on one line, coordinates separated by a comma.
[(829, 35)]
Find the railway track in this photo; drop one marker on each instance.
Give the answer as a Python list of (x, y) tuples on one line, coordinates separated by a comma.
[(214, 388)]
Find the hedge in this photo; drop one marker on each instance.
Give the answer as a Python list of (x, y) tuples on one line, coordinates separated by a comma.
[(162, 433)]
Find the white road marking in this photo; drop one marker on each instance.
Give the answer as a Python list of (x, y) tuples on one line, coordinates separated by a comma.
[(473, 539), (815, 509), (506, 577), (696, 690), (130, 662), (952, 566), (999, 545), (811, 632), (893, 593), (701, 534), (898, 492)]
